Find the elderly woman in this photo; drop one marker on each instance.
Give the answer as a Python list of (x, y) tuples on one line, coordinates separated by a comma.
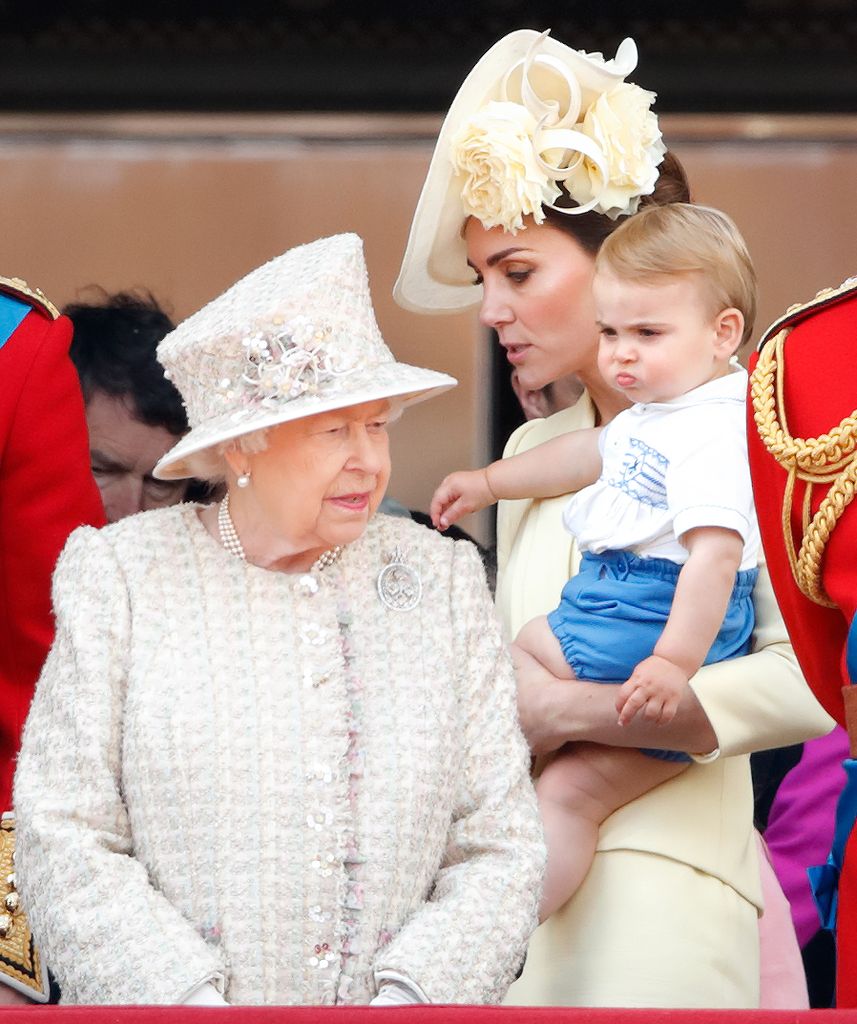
[(273, 756)]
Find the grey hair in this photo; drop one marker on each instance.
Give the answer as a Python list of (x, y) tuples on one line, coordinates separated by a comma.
[(210, 465), (397, 407)]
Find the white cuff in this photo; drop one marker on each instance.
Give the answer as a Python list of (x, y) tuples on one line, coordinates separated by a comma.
[(706, 758), (395, 989), (204, 995)]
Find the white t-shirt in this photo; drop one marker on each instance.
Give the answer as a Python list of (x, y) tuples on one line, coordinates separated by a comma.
[(669, 467)]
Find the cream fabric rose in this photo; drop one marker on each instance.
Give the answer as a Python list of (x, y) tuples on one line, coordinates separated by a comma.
[(502, 181), (625, 127)]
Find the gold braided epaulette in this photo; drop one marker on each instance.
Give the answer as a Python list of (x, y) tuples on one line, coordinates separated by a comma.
[(801, 310), (830, 458), (19, 289), (20, 963)]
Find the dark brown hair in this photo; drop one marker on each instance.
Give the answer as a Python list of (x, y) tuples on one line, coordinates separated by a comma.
[(590, 229)]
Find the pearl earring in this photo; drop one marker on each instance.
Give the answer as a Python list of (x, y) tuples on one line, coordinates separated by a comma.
[(244, 479)]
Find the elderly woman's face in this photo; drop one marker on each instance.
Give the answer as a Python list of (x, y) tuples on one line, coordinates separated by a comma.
[(320, 479)]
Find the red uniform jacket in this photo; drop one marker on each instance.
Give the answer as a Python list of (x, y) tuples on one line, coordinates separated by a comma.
[(812, 388), (46, 491)]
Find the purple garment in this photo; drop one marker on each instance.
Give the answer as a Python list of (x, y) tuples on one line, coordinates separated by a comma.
[(800, 824)]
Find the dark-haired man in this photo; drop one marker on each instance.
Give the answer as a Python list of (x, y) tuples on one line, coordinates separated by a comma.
[(134, 414)]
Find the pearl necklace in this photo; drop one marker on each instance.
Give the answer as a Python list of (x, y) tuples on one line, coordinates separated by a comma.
[(326, 558), (232, 542), (228, 534)]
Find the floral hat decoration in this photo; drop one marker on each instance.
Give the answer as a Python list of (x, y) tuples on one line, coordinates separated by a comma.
[(534, 125), (296, 337)]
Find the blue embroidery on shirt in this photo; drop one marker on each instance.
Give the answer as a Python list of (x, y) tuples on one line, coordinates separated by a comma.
[(643, 474)]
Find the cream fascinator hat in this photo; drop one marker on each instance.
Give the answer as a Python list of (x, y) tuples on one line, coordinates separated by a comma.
[(534, 122), (294, 338)]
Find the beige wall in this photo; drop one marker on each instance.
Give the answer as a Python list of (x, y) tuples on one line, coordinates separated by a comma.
[(167, 206), (184, 206), (791, 185)]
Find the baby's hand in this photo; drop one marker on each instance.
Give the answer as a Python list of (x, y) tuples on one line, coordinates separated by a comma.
[(459, 495), (655, 689)]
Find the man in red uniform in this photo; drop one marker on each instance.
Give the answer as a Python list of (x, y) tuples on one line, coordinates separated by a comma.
[(46, 491), (802, 440)]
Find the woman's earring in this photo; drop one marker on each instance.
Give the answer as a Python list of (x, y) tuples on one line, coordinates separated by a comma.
[(244, 479)]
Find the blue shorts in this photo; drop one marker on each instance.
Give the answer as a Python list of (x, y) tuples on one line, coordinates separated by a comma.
[(612, 613)]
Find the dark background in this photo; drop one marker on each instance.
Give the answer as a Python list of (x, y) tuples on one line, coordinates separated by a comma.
[(791, 56)]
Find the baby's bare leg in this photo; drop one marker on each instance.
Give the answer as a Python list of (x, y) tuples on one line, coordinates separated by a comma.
[(581, 787), (536, 640)]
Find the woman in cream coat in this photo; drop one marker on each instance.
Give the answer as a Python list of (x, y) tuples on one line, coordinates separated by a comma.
[(273, 756), (667, 916)]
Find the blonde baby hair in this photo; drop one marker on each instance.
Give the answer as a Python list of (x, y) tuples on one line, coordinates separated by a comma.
[(683, 238)]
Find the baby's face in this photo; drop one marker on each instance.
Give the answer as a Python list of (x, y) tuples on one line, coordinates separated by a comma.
[(659, 339)]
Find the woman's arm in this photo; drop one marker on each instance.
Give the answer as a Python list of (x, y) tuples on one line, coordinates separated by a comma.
[(761, 700), (553, 712), (466, 942), (732, 707), (108, 934)]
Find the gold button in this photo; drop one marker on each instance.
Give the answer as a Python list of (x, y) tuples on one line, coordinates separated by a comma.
[(5, 926)]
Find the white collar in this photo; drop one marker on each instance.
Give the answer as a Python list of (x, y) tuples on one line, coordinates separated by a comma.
[(731, 387)]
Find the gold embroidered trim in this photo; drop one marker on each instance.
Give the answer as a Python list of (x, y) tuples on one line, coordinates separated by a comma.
[(795, 313), (17, 288), (827, 459), (20, 962)]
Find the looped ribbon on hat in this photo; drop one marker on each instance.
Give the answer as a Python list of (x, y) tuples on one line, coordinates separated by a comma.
[(552, 126), (289, 360)]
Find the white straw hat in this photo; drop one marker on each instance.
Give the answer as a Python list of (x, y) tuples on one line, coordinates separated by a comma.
[(294, 338), (532, 115)]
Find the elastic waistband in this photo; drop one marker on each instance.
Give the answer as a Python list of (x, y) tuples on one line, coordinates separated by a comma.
[(619, 565)]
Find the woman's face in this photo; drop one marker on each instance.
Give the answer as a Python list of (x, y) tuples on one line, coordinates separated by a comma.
[(537, 296), (320, 479)]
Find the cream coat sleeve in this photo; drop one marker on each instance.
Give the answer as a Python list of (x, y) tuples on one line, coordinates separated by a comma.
[(106, 932), (465, 944), (761, 700)]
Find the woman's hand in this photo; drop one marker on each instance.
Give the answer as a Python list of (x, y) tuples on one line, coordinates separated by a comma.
[(460, 494), (555, 711), (653, 691), (540, 695)]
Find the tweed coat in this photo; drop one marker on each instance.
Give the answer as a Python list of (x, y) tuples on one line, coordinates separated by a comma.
[(274, 782)]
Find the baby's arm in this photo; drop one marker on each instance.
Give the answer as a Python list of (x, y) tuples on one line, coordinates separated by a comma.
[(699, 606), (559, 466)]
